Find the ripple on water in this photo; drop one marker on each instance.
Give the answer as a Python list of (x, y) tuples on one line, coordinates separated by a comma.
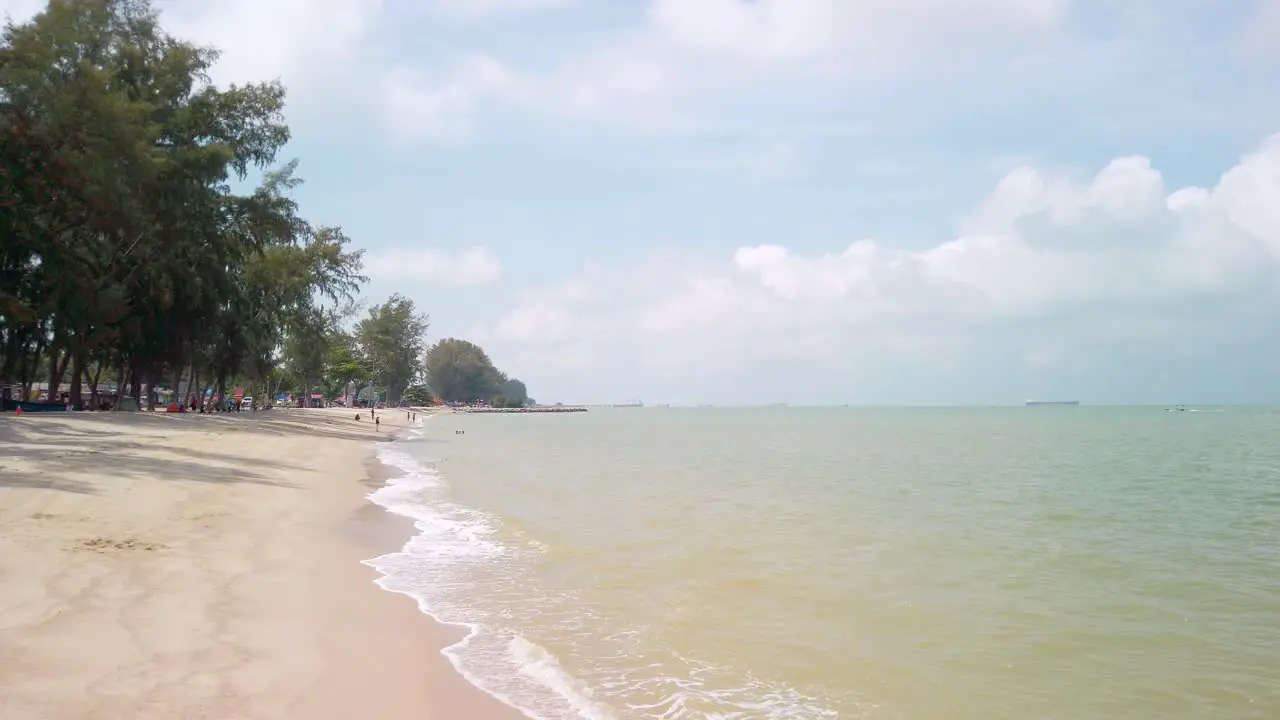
[(461, 571), (969, 565)]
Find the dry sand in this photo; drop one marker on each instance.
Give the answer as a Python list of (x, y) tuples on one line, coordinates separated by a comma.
[(186, 566)]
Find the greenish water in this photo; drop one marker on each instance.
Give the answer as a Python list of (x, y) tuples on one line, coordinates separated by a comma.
[(967, 564)]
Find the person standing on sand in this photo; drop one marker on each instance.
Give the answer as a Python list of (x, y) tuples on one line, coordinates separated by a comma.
[(377, 424)]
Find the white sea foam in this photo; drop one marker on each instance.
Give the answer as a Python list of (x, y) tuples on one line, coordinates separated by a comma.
[(460, 571), (535, 662), (432, 569)]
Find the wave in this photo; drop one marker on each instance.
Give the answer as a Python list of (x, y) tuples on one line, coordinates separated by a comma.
[(464, 568), (433, 567)]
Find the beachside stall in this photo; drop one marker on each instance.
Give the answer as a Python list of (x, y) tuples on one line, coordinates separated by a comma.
[(103, 396), (10, 402)]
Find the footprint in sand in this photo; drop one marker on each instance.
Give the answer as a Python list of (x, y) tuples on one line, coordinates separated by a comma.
[(103, 544)]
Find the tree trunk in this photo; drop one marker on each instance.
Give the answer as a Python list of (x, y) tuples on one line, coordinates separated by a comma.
[(93, 386), (77, 376), (20, 373), (135, 387), (119, 386), (196, 387), (27, 372), (52, 367), (57, 370), (11, 357), (31, 362), (177, 382)]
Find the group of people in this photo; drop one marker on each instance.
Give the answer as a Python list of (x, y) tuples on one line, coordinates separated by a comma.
[(377, 421), (373, 415), (210, 406)]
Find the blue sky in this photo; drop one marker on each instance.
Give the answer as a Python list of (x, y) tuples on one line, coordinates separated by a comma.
[(805, 201)]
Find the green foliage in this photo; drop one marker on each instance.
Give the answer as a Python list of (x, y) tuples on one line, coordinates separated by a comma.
[(121, 244), (345, 365), (461, 371), (125, 255), (515, 392), (418, 395), (391, 340)]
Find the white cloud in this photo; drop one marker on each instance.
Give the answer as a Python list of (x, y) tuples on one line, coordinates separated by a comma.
[(472, 266), (776, 160), (472, 11), (624, 83), (557, 328), (442, 111), (1118, 258), (299, 41), (673, 70), (545, 317), (1258, 42), (21, 10), (771, 31)]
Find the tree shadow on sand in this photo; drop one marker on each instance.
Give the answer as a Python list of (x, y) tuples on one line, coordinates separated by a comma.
[(45, 462), (37, 481), (48, 450)]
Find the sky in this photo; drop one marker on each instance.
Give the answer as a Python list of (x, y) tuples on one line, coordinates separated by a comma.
[(869, 202)]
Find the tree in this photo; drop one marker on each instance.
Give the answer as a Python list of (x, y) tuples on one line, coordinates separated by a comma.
[(515, 392), (345, 366), (392, 339), (418, 395), (123, 251), (461, 371)]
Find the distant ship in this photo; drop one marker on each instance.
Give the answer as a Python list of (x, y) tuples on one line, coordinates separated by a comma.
[(636, 403), (1059, 403)]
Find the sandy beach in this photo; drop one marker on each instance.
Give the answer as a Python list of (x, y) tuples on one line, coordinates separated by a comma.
[(185, 566)]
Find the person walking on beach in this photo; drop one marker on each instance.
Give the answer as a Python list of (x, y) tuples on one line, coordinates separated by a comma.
[(377, 424)]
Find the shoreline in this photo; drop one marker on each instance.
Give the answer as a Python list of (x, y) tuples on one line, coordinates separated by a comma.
[(215, 567), (458, 634)]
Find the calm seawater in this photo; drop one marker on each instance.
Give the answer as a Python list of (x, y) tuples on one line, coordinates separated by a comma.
[(959, 564)]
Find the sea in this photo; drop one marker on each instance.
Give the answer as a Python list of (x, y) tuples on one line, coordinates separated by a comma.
[(1050, 563)]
